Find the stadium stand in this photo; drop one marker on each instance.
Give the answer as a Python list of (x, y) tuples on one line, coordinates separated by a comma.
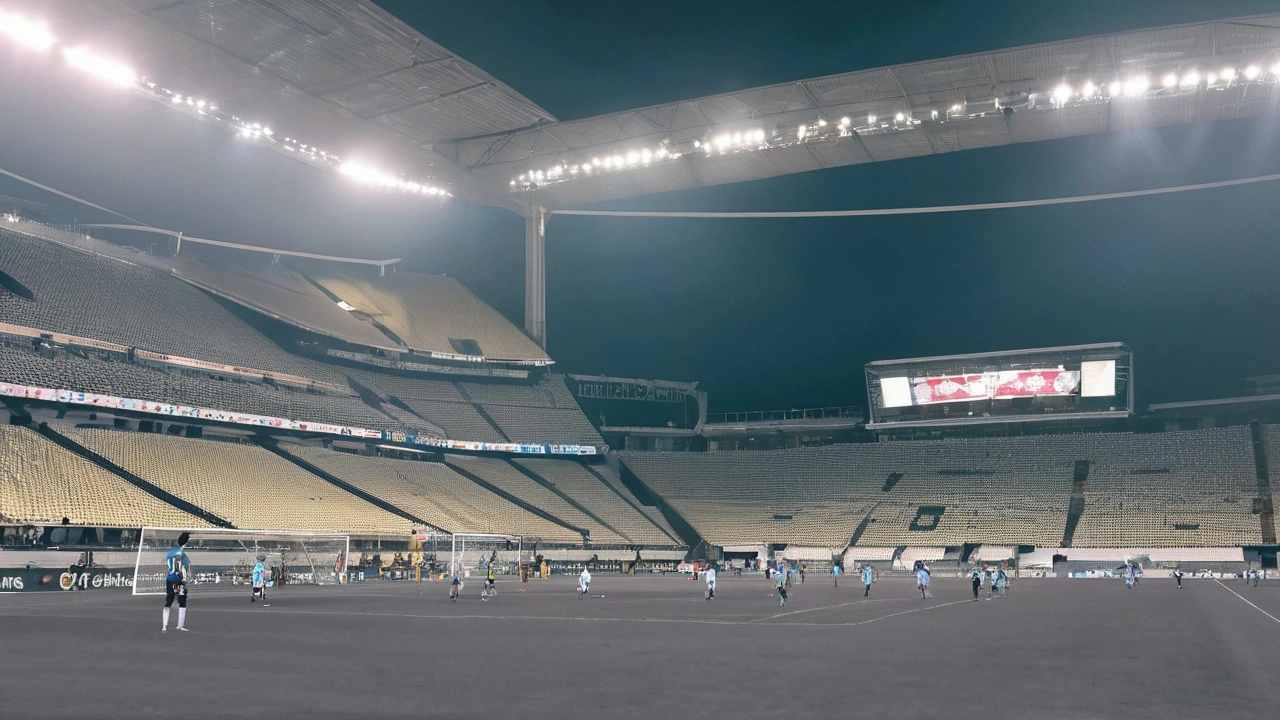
[(652, 513), (41, 482), (434, 492), (70, 371), (502, 475), (1192, 488), (283, 294), (245, 484), (587, 490), (1158, 490), (104, 299), (456, 316)]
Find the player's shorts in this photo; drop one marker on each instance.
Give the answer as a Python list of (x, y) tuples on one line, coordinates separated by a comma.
[(175, 588)]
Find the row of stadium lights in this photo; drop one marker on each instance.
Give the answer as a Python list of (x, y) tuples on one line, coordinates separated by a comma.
[(37, 36), (823, 130)]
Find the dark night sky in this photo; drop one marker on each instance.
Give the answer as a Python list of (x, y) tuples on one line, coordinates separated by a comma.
[(766, 313)]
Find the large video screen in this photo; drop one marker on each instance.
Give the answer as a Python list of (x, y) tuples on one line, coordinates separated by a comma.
[(904, 391), (1022, 384)]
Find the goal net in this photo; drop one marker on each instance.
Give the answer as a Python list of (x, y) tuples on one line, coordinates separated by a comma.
[(228, 556), (472, 553)]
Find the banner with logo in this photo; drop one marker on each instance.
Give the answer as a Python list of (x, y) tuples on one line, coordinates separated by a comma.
[(53, 579)]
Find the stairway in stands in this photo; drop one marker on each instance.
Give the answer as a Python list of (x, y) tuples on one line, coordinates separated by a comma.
[(1264, 505), (480, 409), (1076, 509)]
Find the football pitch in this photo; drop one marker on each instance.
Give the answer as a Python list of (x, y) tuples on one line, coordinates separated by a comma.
[(652, 647)]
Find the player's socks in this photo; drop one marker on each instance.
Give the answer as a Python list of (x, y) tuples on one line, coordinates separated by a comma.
[(165, 626), (182, 618)]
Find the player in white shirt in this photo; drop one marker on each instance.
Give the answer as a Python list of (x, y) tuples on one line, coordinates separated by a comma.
[(710, 575), (584, 583)]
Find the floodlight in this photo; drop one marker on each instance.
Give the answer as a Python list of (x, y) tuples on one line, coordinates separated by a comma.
[(822, 123), (1170, 80), (1190, 79), (586, 168), (1088, 90), (844, 121), (35, 35), (1228, 74), (646, 156), (200, 104), (608, 162), (109, 70), (267, 131), (871, 119), (596, 161), (1136, 85), (1252, 72), (933, 114), (1275, 69), (177, 99), (899, 117), (1210, 79), (1116, 88), (759, 135), (1062, 93), (617, 160)]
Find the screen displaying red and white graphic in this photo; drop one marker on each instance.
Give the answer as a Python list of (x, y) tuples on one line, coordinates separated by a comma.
[(1001, 385)]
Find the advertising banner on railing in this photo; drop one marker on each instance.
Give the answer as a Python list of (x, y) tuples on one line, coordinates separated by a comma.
[(44, 579), (31, 392)]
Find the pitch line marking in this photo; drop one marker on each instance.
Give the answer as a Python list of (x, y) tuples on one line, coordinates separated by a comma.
[(1255, 607), (825, 607)]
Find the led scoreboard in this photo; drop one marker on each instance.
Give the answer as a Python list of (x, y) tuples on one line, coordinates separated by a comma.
[(1060, 383)]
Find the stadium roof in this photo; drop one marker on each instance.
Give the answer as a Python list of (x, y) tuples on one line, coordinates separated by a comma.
[(336, 73), (346, 75)]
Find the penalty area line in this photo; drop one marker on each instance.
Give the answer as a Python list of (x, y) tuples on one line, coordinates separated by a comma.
[(1255, 607)]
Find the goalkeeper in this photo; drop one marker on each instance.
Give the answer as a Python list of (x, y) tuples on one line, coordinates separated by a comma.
[(260, 582), (175, 582)]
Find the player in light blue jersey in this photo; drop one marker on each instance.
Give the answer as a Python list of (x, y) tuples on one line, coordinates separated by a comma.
[(260, 582), (175, 582), (868, 577)]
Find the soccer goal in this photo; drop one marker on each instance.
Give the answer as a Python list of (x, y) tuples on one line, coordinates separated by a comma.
[(473, 551), (228, 556)]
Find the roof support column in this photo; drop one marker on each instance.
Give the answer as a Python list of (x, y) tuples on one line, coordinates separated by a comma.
[(535, 276)]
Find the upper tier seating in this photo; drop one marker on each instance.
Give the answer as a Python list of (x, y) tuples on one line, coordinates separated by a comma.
[(95, 297), (68, 371), (572, 479), (398, 301), (503, 476), (1188, 488), (435, 493), (283, 293), (42, 483), (247, 485)]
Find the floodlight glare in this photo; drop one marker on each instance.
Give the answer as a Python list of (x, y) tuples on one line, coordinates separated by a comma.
[(1252, 72), (35, 35), (1228, 74), (759, 136), (844, 121), (822, 123), (1275, 69), (1088, 90), (1170, 80), (177, 99), (899, 117), (1190, 79), (1062, 93), (1210, 79), (1136, 85), (871, 119), (109, 70)]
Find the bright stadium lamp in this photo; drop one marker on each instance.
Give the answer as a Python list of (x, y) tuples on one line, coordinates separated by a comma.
[(899, 117), (1275, 69), (1210, 79), (107, 69), (1136, 85), (1088, 90), (871, 119), (1062, 93), (31, 33), (1252, 72), (1170, 80), (1191, 79), (1228, 74)]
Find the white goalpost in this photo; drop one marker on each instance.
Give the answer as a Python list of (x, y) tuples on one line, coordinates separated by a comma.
[(228, 556), (475, 551)]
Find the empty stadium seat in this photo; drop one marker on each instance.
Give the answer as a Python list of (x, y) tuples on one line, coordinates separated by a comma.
[(42, 483)]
